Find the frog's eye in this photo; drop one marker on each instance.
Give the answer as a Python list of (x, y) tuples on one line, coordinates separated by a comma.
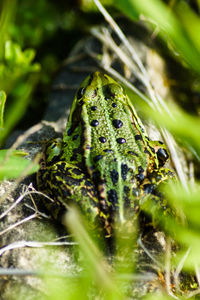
[(53, 150), (162, 155), (112, 90), (90, 93)]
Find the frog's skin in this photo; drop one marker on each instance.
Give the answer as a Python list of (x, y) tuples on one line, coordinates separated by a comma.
[(105, 162)]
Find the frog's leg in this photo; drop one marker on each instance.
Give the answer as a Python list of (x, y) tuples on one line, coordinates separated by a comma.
[(65, 182), (153, 200)]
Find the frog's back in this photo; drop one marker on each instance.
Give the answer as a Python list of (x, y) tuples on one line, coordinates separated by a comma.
[(113, 143), (105, 159)]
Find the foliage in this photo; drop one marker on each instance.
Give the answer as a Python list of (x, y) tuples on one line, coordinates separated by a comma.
[(16, 71), (2, 106), (12, 165), (179, 27), (25, 27)]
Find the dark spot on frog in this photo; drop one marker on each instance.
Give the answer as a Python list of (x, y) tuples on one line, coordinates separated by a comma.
[(102, 139), (140, 169), (84, 192), (112, 196), (140, 177), (75, 137), (161, 143), (121, 141), (162, 156), (80, 93), (124, 171), (117, 123), (126, 189), (114, 176), (69, 131), (170, 173), (94, 123), (73, 157), (154, 166), (42, 173), (132, 153), (126, 198), (114, 104), (70, 180), (152, 149), (136, 192), (62, 166), (89, 147), (96, 175), (76, 150), (149, 188), (158, 178), (138, 137), (55, 159), (97, 157), (108, 150), (93, 108), (66, 193), (88, 183), (76, 171), (147, 152)]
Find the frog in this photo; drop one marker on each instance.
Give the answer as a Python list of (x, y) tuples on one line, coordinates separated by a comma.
[(105, 163)]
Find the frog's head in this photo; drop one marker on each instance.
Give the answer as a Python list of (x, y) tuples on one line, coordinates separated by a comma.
[(98, 84)]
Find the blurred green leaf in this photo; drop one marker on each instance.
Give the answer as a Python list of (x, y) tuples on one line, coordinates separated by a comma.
[(190, 21), (7, 13), (15, 56), (181, 220), (93, 259), (169, 25), (16, 65), (12, 165), (184, 126), (157, 297), (189, 201), (17, 110), (36, 22), (2, 106), (89, 5)]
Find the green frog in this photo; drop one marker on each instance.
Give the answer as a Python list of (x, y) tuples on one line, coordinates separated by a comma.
[(105, 162)]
